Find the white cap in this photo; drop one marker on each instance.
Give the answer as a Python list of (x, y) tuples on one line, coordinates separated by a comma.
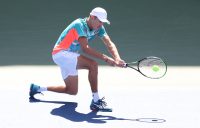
[(101, 14)]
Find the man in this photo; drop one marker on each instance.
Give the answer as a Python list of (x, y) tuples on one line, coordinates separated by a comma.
[(65, 54)]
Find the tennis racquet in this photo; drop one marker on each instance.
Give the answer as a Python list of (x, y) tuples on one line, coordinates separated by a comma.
[(151, 67)]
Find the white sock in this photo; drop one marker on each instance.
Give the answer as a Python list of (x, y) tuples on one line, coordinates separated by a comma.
[(95, 96), (42, 89)]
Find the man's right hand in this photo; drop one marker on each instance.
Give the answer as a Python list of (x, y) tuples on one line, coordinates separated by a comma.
[(110, 61)]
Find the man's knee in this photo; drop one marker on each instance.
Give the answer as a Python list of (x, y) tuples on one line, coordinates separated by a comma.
[(73, 92), (94, 65), (71, 85)]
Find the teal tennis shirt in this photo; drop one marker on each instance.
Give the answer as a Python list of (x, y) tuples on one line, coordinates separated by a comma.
[(68, 40)]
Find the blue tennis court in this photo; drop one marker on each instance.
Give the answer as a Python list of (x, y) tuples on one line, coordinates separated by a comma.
[(134, 99)]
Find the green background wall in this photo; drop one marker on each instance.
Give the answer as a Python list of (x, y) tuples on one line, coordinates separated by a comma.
[(166, 28)]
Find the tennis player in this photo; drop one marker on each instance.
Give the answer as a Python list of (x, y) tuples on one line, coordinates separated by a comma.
[(66, 55)]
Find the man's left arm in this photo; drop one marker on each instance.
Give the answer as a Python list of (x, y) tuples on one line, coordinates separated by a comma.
[(113, 50)]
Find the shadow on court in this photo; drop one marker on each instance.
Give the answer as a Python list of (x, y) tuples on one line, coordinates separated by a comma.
[(68, 111)]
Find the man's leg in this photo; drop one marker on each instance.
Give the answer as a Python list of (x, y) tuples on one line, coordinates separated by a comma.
[(87, 63), (70, 87), (71, 82), (92, 66), (67, 61)]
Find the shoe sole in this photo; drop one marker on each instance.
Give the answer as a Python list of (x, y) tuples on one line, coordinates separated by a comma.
[(102, 110)]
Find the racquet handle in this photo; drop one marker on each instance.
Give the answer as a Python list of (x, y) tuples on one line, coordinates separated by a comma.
[(125, 65)]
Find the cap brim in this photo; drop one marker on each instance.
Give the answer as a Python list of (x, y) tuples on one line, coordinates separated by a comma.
[(105, 21)]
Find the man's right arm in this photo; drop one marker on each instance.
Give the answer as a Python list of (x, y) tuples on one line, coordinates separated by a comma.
[(90, 51)]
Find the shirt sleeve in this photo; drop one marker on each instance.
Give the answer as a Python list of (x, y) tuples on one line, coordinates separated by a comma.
[(102, 32), (80, 29)]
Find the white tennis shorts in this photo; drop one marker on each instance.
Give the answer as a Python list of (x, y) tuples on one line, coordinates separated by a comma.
[(67, 61)]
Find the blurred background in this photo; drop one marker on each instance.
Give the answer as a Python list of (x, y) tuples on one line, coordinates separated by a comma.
[(169, 29)]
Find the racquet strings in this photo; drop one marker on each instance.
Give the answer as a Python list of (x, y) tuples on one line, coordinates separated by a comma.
[(152, 67)]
